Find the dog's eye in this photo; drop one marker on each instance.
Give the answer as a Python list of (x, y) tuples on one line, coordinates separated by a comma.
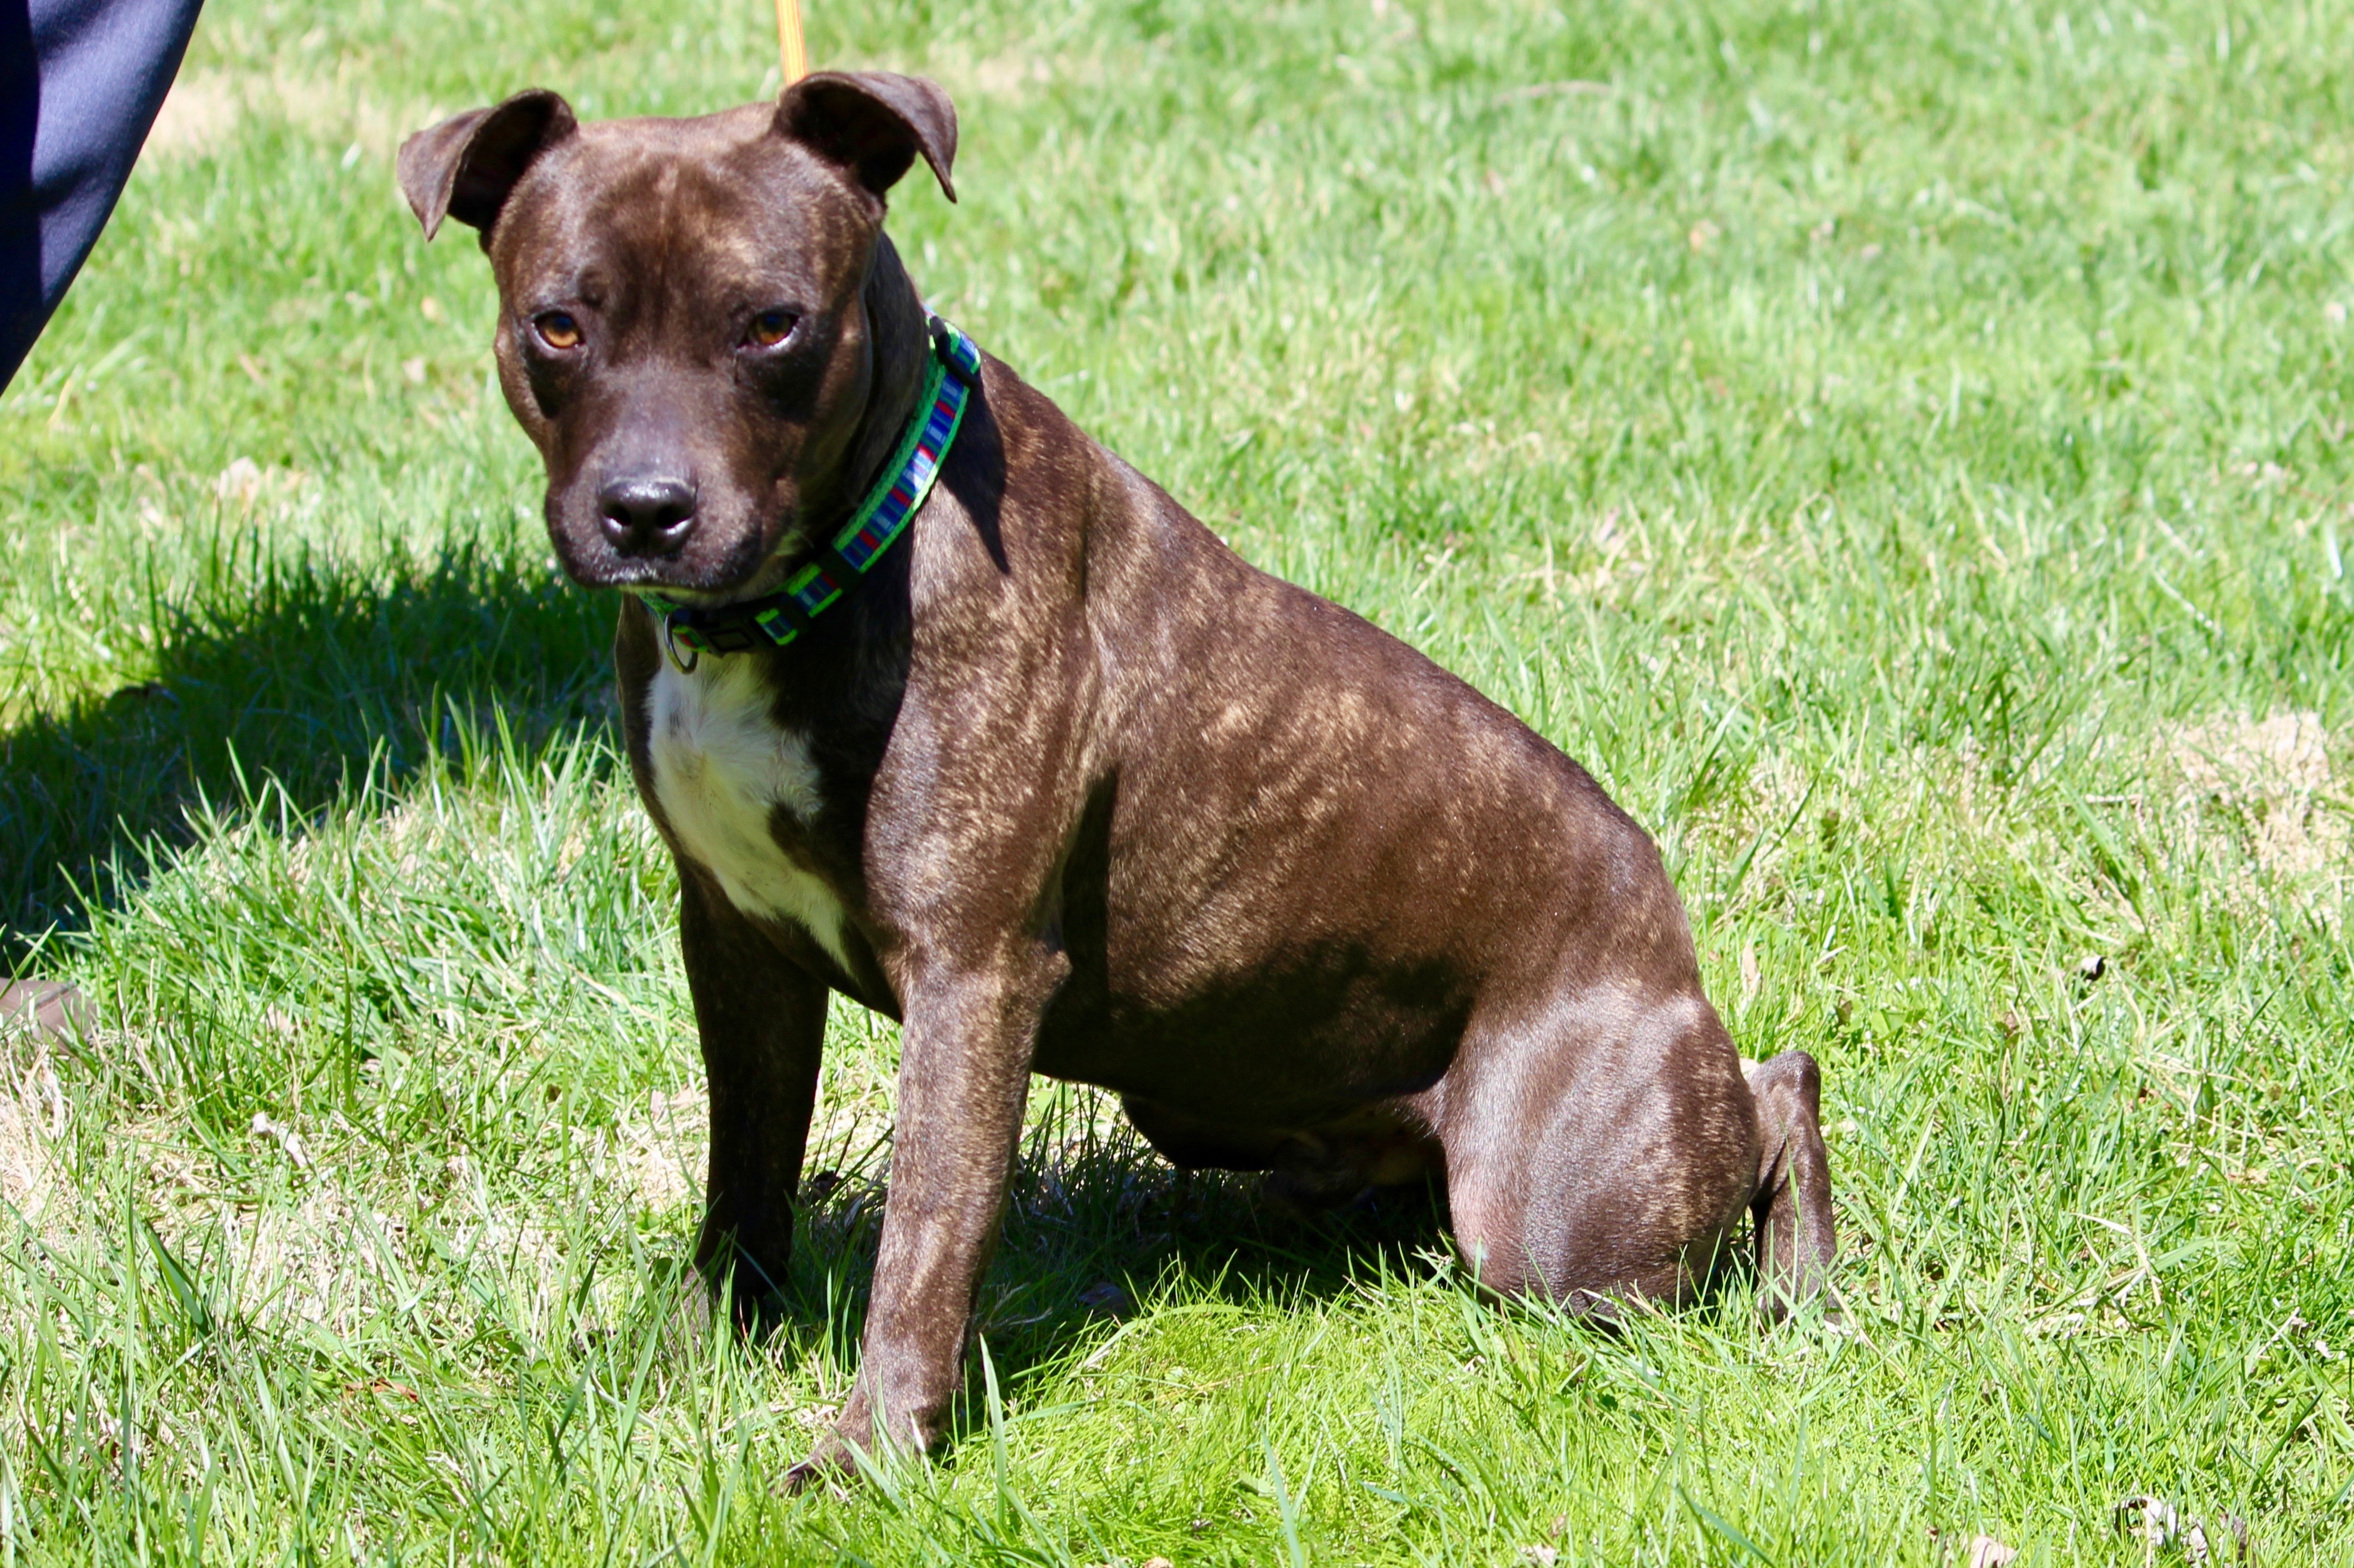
[(771, 328), (557, 329)]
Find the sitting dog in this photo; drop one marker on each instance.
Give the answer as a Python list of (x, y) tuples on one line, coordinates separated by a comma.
[(941, 705)]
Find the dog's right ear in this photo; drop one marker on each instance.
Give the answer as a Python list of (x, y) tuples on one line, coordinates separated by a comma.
[(464, 167)]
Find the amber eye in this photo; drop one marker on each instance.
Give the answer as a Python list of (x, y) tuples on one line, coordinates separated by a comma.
[(771, 328), (557, 329)]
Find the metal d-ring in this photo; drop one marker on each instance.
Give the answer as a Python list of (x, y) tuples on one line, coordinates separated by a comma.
[(686, 663)]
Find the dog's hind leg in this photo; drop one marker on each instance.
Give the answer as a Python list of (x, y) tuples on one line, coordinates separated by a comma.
[(1600, 1153), (1792, 1209)]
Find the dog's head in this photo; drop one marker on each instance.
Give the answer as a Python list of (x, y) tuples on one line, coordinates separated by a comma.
[(682, 327)]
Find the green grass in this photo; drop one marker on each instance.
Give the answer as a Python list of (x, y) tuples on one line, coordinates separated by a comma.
[(1901, 449)]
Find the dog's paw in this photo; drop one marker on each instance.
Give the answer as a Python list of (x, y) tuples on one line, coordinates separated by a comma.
[(46, 1011), (833, 1463), (822, 1468)]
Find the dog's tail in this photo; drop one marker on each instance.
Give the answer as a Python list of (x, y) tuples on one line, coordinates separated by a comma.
[(1792, 1209)]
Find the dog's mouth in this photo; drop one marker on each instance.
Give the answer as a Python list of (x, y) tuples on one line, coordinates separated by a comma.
[(702, 591)]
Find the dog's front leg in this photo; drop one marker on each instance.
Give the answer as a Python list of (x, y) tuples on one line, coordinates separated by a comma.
[(762, 1022), (964, 1072)]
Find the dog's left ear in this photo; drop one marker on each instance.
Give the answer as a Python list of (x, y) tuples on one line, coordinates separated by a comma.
[(873, 124)]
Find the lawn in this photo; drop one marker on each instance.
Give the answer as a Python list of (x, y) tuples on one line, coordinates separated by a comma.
[(1901, 449)]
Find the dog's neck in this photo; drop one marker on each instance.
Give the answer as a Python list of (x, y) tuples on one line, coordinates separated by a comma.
[(901, 346)]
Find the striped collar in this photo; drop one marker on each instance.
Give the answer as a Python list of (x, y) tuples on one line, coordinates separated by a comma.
[(775, 620)]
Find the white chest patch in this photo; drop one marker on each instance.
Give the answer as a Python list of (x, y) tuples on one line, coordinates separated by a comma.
[(722, 766)]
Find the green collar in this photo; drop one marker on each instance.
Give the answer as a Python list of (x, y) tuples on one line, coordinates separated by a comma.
[(775, 620)]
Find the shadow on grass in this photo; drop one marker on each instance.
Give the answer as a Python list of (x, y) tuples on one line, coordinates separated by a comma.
[(1097, 1226), (309, 675), (1100, 1226)]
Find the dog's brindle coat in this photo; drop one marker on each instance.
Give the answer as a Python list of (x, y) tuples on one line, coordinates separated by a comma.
[(1066, 786)]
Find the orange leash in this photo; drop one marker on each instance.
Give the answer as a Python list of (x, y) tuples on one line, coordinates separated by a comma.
[(791, 51)]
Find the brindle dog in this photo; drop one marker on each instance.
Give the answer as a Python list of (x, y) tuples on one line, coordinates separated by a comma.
[(1066, 787)]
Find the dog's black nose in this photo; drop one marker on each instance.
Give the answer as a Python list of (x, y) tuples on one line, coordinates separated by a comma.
[(647, 516)]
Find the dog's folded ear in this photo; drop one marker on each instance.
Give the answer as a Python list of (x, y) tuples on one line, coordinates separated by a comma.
[(873, 124), (464, 167)]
